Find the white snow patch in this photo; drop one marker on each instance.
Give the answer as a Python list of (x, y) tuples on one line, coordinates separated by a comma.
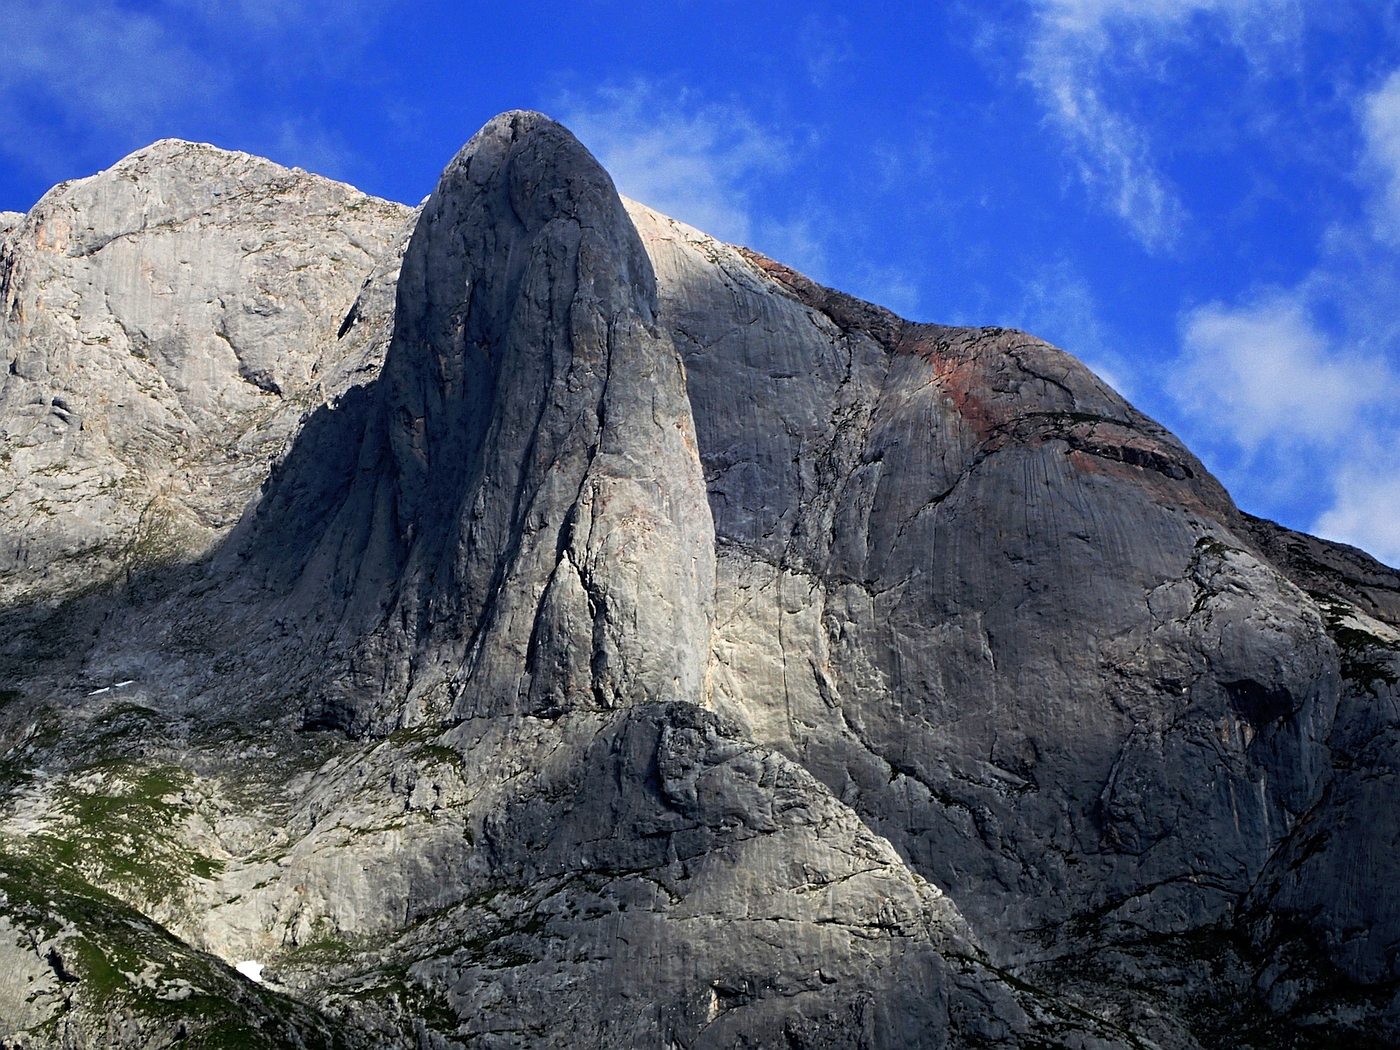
[(115, 685), (251, 970)]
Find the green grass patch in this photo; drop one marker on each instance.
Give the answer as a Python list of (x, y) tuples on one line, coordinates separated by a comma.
[(118, 825), (103, 945), (438, 753), (1366, 658)]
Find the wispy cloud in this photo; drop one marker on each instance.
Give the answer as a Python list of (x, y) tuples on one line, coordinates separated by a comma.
[(85, 77), (718, 167), (301, 15), (1299, 387), (305, 144), (1076, 50), (692, 159), (1380, 114), (891, 286), (96, 67), (825, 44), (1291, 410), (1291, 391)]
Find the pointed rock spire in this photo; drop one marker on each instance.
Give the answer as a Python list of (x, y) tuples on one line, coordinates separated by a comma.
[(527, 528)]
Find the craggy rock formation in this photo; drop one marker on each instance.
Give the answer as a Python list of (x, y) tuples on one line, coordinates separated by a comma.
[(165, 324), (526, 530), (531, 622)]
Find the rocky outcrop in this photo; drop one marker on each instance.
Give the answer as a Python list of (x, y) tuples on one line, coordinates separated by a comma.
[(64, 954), (628, 641), (1329, 570), (1007, 615), (526, 530), (164, 326)]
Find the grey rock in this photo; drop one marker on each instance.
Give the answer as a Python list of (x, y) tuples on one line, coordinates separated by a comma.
[(1334, 570), (80, 969), (626, 641), (1006, 612), (527, 529), (163, 326), (1323, 912)]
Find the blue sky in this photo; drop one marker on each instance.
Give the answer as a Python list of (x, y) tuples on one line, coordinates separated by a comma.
[(1200, 198)]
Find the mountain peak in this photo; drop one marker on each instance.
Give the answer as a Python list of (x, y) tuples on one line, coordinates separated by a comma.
[(532, 431), (529, 621)]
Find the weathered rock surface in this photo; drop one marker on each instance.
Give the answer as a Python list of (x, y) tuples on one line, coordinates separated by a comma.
[(1007, 613), (526, 530), (164, 326), (629, 642)]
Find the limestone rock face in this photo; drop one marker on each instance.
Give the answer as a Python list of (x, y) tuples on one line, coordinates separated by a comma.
[(164, 325), (624, 641), (1007, 614), (527, 530)]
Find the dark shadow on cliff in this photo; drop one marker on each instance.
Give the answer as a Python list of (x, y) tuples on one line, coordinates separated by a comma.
[(176, 629)]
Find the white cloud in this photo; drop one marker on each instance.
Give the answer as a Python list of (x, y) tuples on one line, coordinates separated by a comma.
[(691, 160), (1366, 482), (278, 14), (1381, 124), (716, 167), (801, 243), (1075, 44), (1366, 513), (892, 287), (84, 77), (97, 64), (1112, 156), (1265, 373), (1246, 18), (1305, 411), (1295, 415)]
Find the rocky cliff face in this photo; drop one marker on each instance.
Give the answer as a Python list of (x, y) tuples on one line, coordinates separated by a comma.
[(166, 324), (528, 621)]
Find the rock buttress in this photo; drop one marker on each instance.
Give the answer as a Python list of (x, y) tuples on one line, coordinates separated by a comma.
[(525, 527)]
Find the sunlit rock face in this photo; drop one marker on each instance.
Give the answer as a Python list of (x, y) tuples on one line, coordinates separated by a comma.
[(528, 621), (165, 325)]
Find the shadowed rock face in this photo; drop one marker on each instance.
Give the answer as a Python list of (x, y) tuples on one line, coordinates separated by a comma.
[(1009, 617), (639, 644)]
